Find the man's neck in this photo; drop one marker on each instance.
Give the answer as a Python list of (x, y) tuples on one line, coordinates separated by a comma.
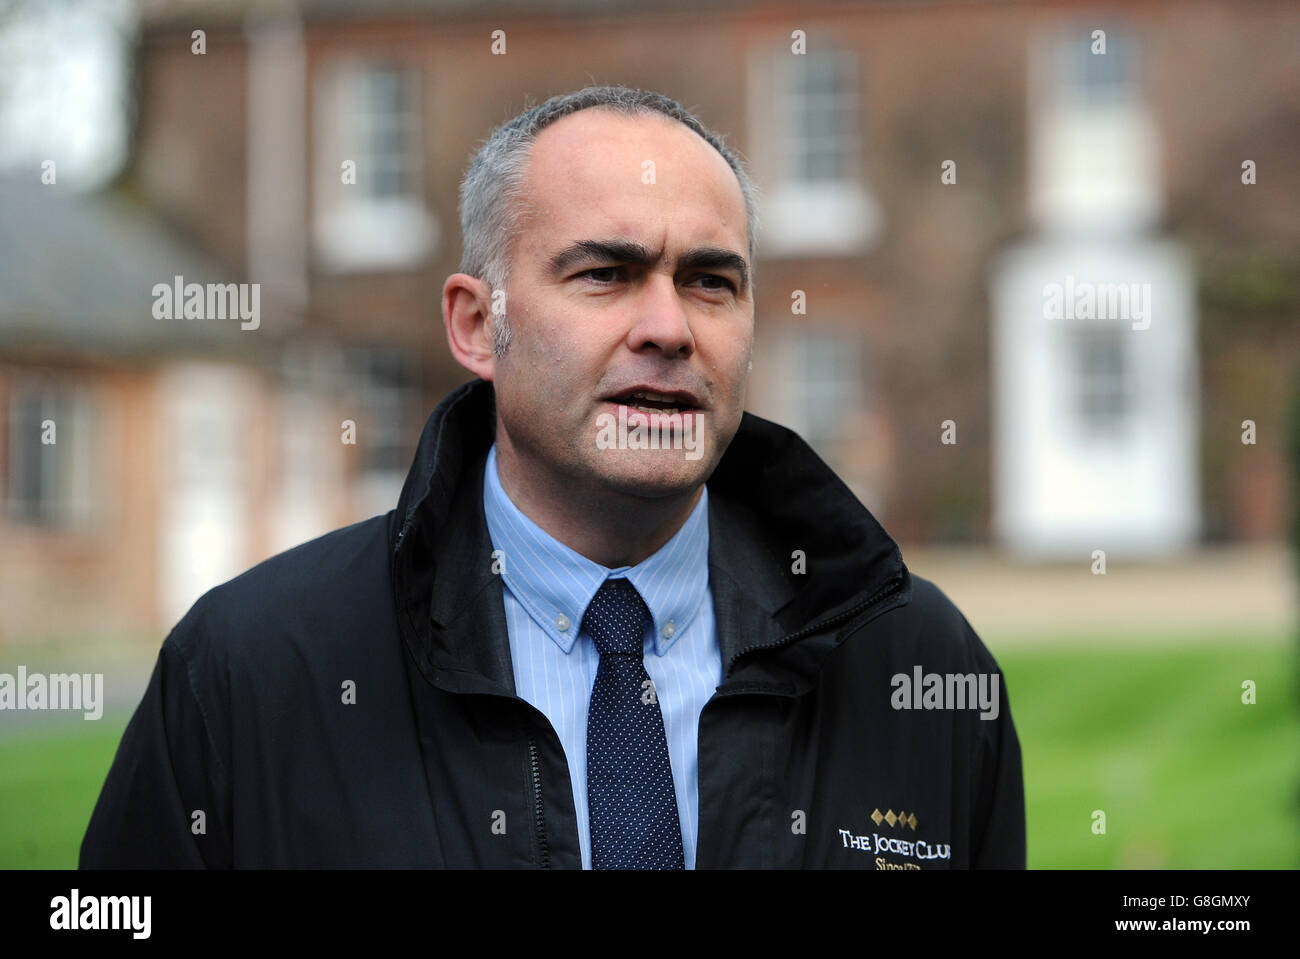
[(607, 527)]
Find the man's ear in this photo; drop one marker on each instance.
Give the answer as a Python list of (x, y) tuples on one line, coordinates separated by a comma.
[(467, 315)]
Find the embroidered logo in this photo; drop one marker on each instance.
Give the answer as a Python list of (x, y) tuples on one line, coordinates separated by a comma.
[(879, 843)]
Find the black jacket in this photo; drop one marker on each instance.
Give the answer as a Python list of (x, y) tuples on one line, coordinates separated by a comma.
[(350, 702)]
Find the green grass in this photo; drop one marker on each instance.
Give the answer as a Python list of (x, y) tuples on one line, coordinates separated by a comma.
[(1158, 738), (1155, 736), (48, 786)]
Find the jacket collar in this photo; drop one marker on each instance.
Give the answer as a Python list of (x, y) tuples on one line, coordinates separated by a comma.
[(796, 563)]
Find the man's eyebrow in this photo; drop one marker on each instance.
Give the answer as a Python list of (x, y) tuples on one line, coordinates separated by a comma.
[(629, 251)]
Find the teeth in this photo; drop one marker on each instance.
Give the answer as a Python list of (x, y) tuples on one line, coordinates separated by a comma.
[(657, 397)]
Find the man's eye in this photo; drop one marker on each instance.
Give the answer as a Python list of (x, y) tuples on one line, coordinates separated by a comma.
[(602, 275), (727, 284)]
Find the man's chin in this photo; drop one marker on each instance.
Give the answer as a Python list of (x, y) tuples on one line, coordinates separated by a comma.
[(651, 473)]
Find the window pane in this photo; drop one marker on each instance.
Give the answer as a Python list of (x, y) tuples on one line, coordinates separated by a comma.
[(1103, 379), (1096, 77), (384, 130), (50, 483), (386, 386), (820, 106), (824, 383)]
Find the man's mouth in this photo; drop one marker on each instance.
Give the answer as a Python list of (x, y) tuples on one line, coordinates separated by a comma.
[(652, 401)]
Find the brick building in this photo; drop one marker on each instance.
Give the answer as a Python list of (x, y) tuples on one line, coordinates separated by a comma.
[(905, 153)]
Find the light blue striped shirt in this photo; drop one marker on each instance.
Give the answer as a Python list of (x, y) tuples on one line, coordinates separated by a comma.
[(547, 587)]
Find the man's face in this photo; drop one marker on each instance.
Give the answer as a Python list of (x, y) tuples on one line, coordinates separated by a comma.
[(630, 275)]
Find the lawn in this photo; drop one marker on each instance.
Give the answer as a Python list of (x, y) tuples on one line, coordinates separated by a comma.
[(1155, 736), (48, 786)]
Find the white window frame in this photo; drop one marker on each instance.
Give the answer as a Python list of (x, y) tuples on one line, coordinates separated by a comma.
[(390, 413), (809, 216), (1094, 157), (823, 362), (71, 477), (355, 228)]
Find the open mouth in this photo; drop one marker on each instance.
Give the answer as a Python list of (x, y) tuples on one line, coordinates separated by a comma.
[(650, 402)]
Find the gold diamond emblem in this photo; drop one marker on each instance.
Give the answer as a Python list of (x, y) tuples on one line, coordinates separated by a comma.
[(890, 817), (876, 817), (911, 821)]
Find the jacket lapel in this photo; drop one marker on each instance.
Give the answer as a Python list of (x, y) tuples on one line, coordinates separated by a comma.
[(449, 605), (797, 563)]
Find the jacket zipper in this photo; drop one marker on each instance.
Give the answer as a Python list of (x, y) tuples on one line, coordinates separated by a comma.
[(878, 597), (535, 767)]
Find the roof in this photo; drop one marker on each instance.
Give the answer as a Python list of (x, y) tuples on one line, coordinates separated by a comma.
[(77, 274)]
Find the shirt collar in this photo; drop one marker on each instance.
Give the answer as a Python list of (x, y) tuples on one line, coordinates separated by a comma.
[(555, 584)]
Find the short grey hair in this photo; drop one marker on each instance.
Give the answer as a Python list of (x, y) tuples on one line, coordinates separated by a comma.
[(492, 192)]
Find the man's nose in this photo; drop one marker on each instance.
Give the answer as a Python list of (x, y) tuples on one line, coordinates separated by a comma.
[(661, 321)]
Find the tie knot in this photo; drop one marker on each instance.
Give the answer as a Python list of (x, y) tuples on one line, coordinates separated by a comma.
[(616, 619)]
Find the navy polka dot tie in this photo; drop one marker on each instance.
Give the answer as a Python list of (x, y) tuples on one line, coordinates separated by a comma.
[(630, 797)]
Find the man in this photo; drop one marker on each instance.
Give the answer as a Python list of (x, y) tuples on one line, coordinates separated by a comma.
[(614, 621)]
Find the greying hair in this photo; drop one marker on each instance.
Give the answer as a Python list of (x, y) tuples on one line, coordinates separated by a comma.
[(492, 199)]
